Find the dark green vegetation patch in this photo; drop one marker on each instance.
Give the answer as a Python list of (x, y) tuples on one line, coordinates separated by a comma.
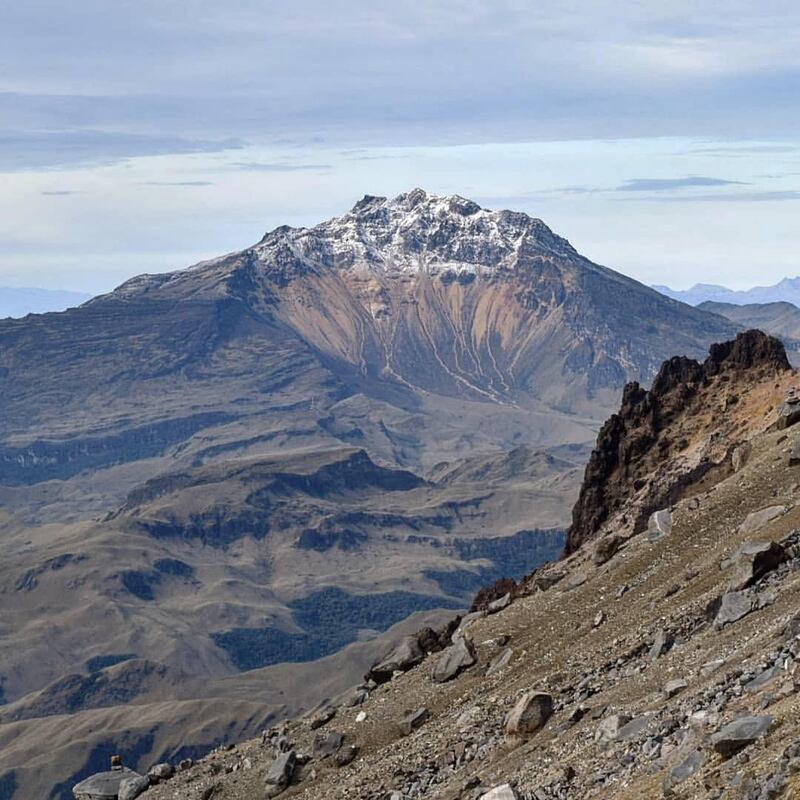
[(330, 619), (8, 786), (112, 659), (511, 557)]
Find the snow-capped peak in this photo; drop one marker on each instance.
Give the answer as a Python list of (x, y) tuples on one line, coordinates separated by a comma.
[(416, 231)]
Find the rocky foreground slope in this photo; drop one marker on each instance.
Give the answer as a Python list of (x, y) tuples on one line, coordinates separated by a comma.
[(649, 662)]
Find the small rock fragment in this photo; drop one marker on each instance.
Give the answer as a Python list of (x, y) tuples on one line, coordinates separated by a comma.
[(683, 770), (413, 721), (674, 687), (325, 745), (500, 661), (504, 792), (741, 455), (346, 755), (605, 548), (322, 717), (661, 644)]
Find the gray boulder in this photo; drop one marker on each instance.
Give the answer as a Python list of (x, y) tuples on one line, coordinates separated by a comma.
[(752, 561), (634, 728), (788, 414), (530, 713), (499, 604), (610, 727), (683, 770), (413, 721), (103, 785), (736, 735), (674, 687), (325, 745), (758, 519), (279, 775), (161, 772), (733, 607), (454, 660), (407, 654), (131, 788)]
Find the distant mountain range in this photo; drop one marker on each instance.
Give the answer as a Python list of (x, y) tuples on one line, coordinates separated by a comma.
[(28, 300), (779, 319), (787, 290)]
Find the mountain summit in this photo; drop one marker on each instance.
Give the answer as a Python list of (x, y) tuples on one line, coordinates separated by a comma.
[(439, 294)]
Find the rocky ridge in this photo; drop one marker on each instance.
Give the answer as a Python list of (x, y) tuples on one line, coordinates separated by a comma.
[(667, 428)]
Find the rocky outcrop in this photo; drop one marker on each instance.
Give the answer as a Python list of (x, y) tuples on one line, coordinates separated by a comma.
[(653, 427)]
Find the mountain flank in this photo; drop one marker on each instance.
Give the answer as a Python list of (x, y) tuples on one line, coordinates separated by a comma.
[(781, 319), (550, 692)]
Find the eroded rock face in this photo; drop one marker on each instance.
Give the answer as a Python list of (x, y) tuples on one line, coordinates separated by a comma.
[(644, 434)]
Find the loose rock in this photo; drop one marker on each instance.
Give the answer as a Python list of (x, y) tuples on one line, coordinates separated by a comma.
[(529, 714), (458, 657), (736, 735)]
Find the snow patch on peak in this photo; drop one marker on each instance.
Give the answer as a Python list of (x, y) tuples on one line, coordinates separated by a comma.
[(416, 232)]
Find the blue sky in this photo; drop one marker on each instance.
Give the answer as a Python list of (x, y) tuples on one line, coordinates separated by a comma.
[(661, 139)]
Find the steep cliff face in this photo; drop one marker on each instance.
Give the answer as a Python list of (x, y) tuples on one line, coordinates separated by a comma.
[(654, 429)]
